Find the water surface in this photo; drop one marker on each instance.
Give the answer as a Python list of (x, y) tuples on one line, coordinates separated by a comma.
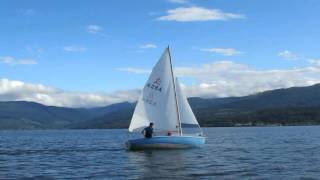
[(247, 153)]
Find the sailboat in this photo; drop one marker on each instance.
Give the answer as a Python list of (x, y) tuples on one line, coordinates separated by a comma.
[(163, 102)]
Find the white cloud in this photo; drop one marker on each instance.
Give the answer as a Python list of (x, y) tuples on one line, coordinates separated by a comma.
[(29, 12), (288, 55), (74, 49), (314, 62), (134, 70), (93, 28), (223, 51), (179, 1), (226, 78), (27, 61), (189, 14), (216, 79), (148, 46), (13, 61), (7, 59), (21, 91), (34, 52)]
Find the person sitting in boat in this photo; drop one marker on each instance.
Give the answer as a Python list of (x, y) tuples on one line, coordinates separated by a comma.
[(148, 131)]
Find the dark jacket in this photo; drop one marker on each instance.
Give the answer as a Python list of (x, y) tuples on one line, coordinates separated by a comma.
[(148, 131)]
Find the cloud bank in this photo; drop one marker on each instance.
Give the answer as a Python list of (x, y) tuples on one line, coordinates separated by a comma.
[(216, 79), (20, 91), (226, 78)]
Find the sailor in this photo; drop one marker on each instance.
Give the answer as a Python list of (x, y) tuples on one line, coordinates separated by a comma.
[(148, 131)]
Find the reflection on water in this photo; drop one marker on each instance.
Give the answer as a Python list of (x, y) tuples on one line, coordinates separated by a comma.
[(158, 164), (257, 152)]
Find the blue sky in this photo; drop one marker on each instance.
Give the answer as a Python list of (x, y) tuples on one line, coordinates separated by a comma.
[(106, 46)]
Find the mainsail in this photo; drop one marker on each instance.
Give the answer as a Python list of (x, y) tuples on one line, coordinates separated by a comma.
[(162, 101), (157, 103)]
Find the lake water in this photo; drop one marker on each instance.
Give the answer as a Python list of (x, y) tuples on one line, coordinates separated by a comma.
[(230, 153)]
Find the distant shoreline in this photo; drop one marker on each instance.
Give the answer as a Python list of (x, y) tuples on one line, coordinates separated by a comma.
[(296, 106), (238, 126)]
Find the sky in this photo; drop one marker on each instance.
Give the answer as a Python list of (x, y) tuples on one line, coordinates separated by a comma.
[(95, 53)]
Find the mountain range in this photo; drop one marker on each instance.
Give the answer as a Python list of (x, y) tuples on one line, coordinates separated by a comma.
[(290, 106)]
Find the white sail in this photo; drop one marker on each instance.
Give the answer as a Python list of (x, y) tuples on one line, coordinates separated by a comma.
[(186, 115), (157, 103)]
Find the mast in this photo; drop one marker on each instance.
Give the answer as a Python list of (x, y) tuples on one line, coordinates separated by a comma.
[(175, 93)]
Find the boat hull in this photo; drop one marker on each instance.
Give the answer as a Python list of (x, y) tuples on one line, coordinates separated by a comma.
[(166, 142)]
